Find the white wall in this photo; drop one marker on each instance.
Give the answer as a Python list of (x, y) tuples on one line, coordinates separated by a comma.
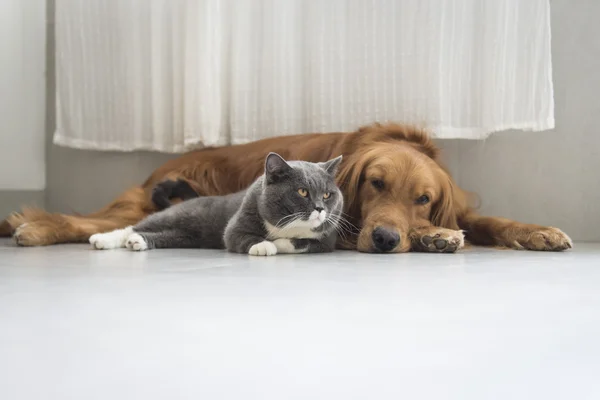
[(550, 178), (22, 94)]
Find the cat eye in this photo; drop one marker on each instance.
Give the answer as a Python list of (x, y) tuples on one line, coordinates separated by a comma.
[(303, 192), (378, 184), (422, 200), (327, 195)]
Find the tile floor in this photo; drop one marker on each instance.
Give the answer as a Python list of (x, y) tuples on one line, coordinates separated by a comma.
[(194, 324)]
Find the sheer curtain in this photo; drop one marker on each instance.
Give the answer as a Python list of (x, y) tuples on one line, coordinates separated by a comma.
[(171, 75)]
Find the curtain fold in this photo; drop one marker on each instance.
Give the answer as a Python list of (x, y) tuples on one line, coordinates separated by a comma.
[(171, 75)]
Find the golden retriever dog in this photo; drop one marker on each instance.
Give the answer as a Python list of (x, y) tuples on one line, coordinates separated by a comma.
[(398, 196)]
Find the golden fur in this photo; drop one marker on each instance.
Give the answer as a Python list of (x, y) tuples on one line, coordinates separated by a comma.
[(403, 157)]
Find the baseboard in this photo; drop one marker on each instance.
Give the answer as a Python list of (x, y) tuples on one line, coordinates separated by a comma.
[(13, 200)]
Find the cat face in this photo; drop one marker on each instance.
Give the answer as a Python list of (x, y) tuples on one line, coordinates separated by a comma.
[(301, 194)]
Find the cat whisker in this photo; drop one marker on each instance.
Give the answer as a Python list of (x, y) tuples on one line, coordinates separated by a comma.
[(290, 216), (289, 224), (348, 226), (346, 217), (340, 225), (339, 231), (343, 218), (343, 230), (333, 224), (344, 222)]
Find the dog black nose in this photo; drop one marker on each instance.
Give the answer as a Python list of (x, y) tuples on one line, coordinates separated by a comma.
[(385, 239), (319, 209)]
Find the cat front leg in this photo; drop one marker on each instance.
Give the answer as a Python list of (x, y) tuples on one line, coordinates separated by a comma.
[(253, 245), (168, 239), (304, 245), (286, 246)]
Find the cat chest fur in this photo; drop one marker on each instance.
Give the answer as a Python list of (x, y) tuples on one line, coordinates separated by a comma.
[(295, 230)]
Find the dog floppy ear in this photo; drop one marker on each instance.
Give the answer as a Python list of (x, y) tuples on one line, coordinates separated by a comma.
[(451, 204), (350, 178)]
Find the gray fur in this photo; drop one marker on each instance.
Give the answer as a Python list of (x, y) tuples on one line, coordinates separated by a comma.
[(239, 221)]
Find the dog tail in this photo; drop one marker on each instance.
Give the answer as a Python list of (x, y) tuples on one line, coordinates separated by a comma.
[(36, 227)]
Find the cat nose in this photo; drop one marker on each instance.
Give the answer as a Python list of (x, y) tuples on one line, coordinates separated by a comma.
[(319, 209)]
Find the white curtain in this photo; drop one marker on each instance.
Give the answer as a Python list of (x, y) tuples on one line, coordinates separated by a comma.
[(171, 75)]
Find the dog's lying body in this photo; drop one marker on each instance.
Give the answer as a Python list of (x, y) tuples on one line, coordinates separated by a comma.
[(397, 194)]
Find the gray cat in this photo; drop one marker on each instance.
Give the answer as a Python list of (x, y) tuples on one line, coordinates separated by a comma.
[(295, 207)]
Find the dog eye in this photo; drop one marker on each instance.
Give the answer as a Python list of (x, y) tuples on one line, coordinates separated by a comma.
[(327, 195), (423, 199), (378, 184), (303, 192)]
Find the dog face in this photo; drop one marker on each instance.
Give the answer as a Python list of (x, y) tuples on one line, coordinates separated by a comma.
[(392, 187)]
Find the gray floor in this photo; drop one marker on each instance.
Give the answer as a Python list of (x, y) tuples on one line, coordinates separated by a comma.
[(483, 324)]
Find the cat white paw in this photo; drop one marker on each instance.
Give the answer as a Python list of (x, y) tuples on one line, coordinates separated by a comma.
[(264, 248), (101, 241), (110, 240), (136, 242)]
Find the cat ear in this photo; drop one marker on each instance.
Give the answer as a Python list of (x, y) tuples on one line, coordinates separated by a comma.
[(332, 165), (275, 166)]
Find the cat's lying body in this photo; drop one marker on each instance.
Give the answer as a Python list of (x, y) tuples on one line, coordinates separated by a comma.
[(294, 207)]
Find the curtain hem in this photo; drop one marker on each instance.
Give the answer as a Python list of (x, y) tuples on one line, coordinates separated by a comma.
[(445, 132), (82, 144), (484, 133)]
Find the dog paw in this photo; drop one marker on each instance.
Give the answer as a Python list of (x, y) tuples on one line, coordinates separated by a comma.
[(33, 227), (136, 242), (264, 248), (541, 239), (18, 235), (439, 240)]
